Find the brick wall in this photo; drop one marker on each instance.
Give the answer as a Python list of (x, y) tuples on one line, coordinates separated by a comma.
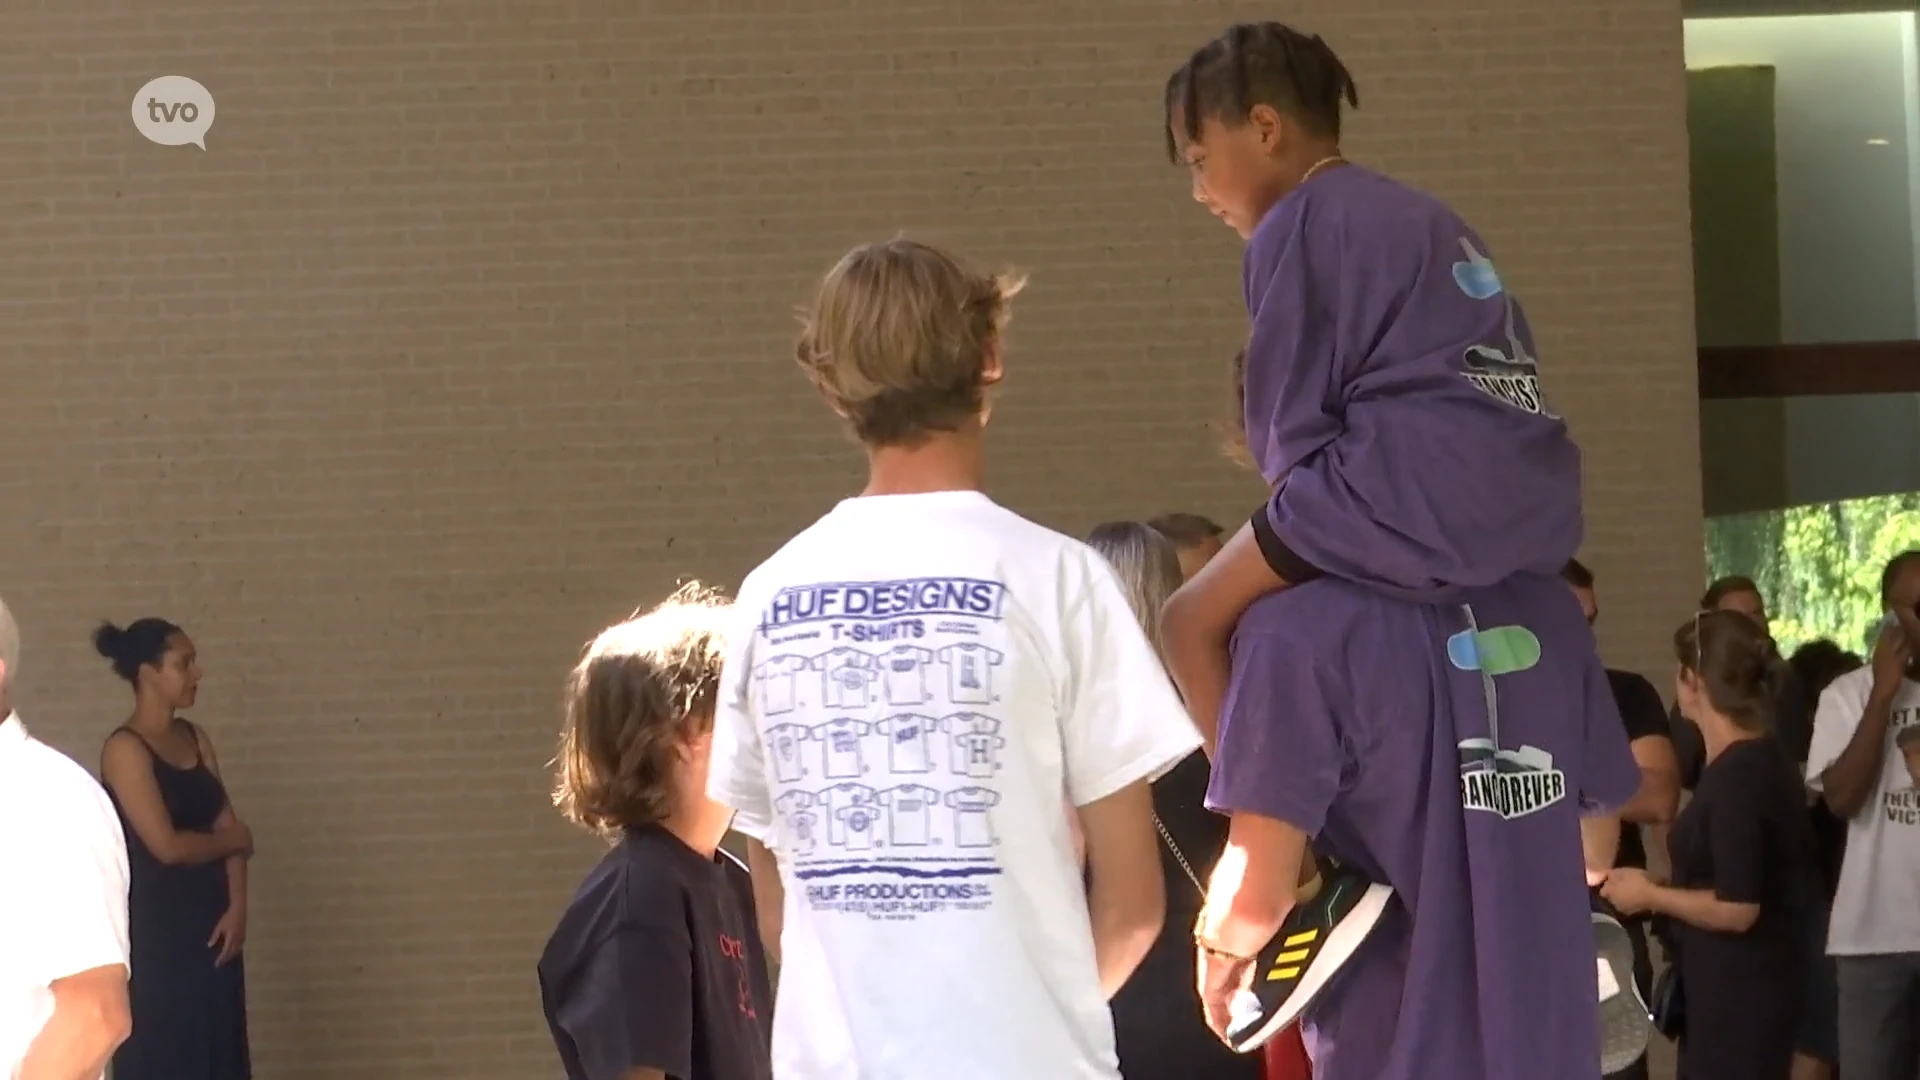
[(468, 333)]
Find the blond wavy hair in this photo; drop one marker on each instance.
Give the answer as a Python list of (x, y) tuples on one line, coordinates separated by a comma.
[(898, 339)]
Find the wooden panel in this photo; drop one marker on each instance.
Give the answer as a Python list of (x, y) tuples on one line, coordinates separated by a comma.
[(1780, 371)]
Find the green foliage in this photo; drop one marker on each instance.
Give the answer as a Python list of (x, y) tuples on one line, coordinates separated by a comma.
[(1819, 566)]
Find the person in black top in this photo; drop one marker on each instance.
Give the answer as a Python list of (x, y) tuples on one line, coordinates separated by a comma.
[(1655, 804), (1792, 726), (1158, 1025), (656, 970), (187, 857), (1742, 856)]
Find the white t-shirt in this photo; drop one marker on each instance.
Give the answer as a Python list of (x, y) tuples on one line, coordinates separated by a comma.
[(948, 938), (1877, 907), (63, 909)]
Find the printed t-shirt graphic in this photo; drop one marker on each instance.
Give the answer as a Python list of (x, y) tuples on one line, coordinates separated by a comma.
[(906, 672), (857, 821), (908, 737), (971, 826), (838, 798), (1511, 782), (909, 814), (776, 676), (803, 839), (975, 744), (970, 672), (840, 747), (785, 742), (848, 677), (794, 807), (1060, 665)]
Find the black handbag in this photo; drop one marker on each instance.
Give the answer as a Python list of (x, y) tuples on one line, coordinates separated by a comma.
[(1669, 1004)]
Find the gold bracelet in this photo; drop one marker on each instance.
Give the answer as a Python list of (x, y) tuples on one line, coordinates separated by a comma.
[(1218, 953)]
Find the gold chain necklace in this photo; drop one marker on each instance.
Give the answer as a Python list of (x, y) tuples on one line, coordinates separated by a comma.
[(1335, 159)]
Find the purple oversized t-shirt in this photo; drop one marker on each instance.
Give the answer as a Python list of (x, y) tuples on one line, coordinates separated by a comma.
[(1453, 767), (1393, 398)]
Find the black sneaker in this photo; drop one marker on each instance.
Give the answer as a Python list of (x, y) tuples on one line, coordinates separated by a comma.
[(1626, 1024), (1317, 938)]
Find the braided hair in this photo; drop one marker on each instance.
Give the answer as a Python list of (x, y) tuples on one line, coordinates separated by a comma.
[(1264, 63)]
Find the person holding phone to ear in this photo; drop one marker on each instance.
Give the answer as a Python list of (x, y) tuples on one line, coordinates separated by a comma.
[(1857, 762)]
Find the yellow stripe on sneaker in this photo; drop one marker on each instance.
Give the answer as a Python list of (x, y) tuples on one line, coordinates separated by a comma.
[(1301, 938), (1283, 974), (1292, 957)]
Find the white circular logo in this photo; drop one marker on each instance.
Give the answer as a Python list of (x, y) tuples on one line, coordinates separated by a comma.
[(174, 110)]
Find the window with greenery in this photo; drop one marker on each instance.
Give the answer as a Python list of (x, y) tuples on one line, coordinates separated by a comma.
[(1819, 566)]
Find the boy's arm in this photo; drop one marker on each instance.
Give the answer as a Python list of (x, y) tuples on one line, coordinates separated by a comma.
[(1127, 897), (1196, 625), (1283, 753), (1122, 725), (769, 897)]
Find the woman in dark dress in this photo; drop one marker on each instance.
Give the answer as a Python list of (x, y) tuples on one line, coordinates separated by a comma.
[(1157, 1020), (1743, 865), (187, 856)]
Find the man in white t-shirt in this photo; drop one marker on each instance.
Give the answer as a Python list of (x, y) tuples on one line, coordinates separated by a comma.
[(1853, 762), (63, 907), (961, 942)]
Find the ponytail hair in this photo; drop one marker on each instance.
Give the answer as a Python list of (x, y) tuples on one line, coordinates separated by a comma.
[(1737, 664), (141, 643)]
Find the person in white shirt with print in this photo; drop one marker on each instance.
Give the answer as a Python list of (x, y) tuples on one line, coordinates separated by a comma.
[(1874, 935), (63, 909), (982, 953)]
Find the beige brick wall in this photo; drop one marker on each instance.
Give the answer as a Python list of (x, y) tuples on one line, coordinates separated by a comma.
[(469, 330)]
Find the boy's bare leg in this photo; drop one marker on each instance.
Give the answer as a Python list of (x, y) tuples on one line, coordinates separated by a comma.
[(1197, 626)]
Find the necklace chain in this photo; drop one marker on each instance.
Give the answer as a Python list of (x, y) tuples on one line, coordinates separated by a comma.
[(1334, 159)]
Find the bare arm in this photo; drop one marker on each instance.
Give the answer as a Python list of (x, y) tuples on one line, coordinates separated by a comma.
[(1127, 898), (90, 1020), (1600, 845), (1658, 799), (1196, 625), (127, 767), (229, 818), (1849, 782), (1248, 897), (1701, 908), (769, 897)]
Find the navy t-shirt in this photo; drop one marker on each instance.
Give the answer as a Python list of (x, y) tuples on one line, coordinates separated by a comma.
[(657, 963)]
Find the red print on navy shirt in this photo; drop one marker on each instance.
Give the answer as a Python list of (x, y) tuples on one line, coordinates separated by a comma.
[(735, 949)]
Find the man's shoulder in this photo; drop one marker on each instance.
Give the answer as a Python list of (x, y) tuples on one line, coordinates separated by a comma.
[(979, 535), (56, 782), (1850, 691)]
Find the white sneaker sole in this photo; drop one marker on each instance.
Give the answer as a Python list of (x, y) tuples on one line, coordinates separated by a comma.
[(1342, 942), (1626, 1025)]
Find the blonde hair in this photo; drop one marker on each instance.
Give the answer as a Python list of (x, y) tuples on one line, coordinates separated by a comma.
[(1233, 426), (898, 337), (9, 649), (643, 688), (1147, 564)]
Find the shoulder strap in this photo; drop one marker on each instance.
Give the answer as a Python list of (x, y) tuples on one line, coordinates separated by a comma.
[(1178, 857), (139, 738), (199, 756)]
